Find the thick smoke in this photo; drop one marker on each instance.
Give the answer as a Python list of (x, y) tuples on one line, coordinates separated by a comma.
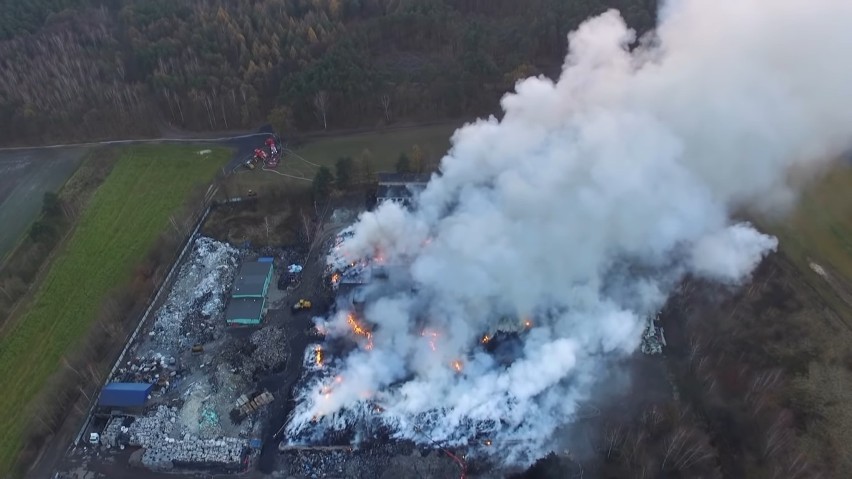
[(579, 212)]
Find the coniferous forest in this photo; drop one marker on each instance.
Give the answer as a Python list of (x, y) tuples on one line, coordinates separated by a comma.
[(92, 69)]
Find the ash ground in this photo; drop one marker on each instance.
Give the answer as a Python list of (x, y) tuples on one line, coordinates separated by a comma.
[(187, 428)]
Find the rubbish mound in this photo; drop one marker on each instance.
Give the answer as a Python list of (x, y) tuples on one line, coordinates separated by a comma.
[(166, 445), (198, 295), (271, 352)]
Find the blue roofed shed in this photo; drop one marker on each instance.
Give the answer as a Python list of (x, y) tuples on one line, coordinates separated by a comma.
[(125, 394)]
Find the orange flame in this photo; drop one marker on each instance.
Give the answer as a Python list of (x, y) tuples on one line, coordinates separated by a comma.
[(318, 355), (528, 323), (457, 365), (359, 330), (335, 278), (432, 335), (485, 339)]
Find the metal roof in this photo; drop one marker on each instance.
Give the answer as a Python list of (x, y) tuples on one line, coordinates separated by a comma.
[(245, 310), (125, 394), (252, 280)]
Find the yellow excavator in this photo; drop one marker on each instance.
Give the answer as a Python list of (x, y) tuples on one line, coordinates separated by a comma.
[(302, 305)]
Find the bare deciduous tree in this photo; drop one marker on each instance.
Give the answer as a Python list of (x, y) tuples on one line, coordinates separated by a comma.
[(321, 104), (685, 449), (778, 435), (386, 101), (613, 439)]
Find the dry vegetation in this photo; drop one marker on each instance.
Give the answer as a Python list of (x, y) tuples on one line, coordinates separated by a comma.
[(771, 366), (275, 218)]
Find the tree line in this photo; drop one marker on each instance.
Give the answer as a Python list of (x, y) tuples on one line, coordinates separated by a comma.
[(101, 68)]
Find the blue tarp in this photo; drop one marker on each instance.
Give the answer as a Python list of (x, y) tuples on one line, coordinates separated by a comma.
[(125, 394)]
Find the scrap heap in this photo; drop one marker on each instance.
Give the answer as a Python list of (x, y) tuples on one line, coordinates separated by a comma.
[(166, 445)]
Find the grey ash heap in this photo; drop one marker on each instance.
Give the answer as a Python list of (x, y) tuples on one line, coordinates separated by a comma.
[(572, 218)]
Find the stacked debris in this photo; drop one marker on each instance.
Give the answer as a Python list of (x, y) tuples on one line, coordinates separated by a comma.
[(653, 339), (249, 403), (193, 452), (166, 445), (198, 295), (117, 431), (155, 368)]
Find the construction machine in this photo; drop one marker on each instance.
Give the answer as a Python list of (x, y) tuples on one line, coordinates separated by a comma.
[(302, 305)]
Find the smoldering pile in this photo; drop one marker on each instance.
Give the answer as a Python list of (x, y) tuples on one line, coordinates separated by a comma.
[(580, 211)]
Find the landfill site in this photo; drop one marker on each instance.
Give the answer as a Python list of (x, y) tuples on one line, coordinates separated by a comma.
[(206, 383), (210, 381)]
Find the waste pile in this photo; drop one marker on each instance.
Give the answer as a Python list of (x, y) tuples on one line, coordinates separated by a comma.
[(226, 452), (155, 368), (166, 443), (198, 296), (341, 269), (393, 459), (270, 353), (653, 339)]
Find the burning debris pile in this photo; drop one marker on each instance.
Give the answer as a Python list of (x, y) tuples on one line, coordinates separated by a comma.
[(197, 299), (342, 269), (580, 209)]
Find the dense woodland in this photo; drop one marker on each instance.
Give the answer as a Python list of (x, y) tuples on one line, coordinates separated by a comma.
[(75, 69)]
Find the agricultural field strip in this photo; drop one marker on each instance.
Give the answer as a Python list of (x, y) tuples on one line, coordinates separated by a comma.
[(127, 213)]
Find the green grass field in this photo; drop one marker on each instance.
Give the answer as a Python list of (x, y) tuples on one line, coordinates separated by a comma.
[(820, 228), (125, 216), (384, 148)]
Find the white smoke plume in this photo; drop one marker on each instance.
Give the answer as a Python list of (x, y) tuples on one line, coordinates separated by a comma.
[(581, 209)]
